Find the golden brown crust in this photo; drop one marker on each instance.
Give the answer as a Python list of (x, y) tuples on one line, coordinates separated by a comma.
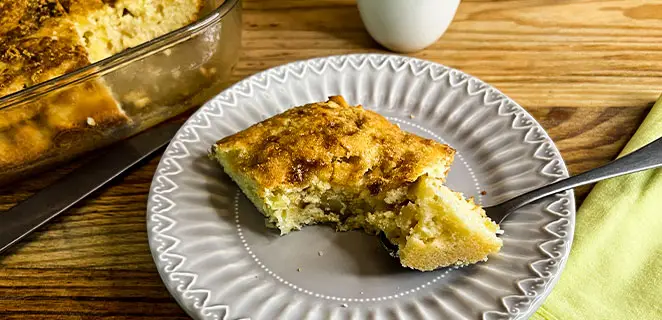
[(346, 146), (39, 45)]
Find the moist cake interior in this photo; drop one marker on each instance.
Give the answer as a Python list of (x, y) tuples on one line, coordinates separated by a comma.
[(107, 27)]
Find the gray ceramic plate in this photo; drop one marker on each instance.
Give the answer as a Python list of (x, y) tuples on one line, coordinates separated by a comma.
[(219, 261)]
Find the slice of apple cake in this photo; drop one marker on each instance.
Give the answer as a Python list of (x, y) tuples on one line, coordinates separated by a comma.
[(329, 162)]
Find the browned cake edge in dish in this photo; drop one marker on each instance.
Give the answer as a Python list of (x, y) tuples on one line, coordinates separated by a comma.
[(44, 39)]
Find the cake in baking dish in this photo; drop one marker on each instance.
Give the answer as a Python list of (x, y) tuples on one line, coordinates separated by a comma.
[(330, 162), (107, 27), (44, 39)]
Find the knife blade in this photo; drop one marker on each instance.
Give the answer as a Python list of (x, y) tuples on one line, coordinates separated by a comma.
[(22, 219)]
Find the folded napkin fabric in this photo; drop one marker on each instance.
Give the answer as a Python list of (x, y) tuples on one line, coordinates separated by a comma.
[(615, 265)]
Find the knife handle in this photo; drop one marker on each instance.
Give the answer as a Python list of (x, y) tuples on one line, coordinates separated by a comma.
[(19, 221)]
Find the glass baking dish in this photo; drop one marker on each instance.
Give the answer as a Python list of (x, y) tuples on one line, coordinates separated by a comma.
[(122, 95)]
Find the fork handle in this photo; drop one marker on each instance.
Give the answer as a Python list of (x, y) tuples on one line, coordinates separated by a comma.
[(647, 157)]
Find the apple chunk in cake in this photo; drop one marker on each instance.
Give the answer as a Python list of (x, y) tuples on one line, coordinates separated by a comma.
[(329, 162)]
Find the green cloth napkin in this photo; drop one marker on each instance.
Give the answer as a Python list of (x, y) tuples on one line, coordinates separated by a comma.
[(615, 265)]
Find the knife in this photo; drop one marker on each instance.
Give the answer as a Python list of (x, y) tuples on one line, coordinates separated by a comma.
[(19, 221)]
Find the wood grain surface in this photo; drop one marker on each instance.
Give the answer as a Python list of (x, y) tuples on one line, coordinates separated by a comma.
[(589, 71)]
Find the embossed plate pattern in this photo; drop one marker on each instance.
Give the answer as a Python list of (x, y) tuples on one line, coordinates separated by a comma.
[(219, 261)]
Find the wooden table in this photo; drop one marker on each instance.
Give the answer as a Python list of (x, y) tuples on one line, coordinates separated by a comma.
[(589, 71)]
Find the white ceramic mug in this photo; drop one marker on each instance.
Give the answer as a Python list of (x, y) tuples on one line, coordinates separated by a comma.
[(407, 25)]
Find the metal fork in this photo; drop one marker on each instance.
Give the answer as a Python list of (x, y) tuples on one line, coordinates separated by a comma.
[(647, 157)]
